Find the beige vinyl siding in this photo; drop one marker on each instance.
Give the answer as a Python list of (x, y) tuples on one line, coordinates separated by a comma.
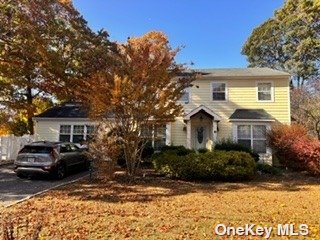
[(241, 93), (46, 130), (178, 135)]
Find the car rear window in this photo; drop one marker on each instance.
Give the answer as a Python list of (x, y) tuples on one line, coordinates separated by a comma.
[(36, 149)]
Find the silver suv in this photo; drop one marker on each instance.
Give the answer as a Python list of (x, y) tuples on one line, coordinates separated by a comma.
[(54, 158)]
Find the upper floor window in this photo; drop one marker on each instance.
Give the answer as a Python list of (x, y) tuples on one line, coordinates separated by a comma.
[(219, 91), (264, 91), (185, 98)]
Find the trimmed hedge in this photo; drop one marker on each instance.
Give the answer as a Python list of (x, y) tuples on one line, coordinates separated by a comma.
[(179, 150), (230, 145), (267, 169), (217, 165)]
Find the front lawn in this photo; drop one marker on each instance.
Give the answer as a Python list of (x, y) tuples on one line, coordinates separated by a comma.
[(158, 208)]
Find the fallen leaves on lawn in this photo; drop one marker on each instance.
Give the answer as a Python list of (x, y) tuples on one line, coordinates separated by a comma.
[(158, 208)]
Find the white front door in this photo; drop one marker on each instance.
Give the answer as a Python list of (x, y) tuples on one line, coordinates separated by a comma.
[(201, 136)]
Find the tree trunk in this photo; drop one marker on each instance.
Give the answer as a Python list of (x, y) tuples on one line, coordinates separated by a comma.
[(318, 130), (132, 157), (30, 112)]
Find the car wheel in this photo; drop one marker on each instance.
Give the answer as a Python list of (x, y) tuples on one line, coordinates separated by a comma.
[(60, 171)]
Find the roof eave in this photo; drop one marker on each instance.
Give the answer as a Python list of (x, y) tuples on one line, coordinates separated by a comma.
[(252, 120), (59, 119), (256, 77)]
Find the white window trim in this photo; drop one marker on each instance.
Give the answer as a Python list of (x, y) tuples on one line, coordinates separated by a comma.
[(154, 138), (235, 133), (226, 91), (71, 131), (272, 91), (85, 133), (188, 89)]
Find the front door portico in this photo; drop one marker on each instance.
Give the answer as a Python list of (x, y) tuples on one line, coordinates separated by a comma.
[(201, 128)]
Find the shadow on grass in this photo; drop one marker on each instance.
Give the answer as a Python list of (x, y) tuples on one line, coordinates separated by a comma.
[(152, 187)]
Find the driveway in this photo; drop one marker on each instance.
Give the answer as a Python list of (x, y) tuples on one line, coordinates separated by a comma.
[(13, 189)]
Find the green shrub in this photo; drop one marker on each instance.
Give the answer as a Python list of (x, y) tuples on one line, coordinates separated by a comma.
[(216, 165), (230, 145), (266, 168), (203, 150), (179, 150)]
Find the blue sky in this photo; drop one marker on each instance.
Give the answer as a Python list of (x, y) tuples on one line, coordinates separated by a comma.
[(212, 31)]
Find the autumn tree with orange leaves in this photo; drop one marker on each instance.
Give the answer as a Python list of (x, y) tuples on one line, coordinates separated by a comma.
[(142, 90), (45, 47)]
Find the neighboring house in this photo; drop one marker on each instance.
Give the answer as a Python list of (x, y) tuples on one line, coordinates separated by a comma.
[(241, 104)]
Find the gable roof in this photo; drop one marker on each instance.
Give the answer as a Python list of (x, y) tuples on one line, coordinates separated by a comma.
[(215, 116), (68, 110), (251, 114), (241, 72)]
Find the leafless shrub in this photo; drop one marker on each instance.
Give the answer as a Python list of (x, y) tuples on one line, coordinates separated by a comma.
[(104, 150), (16, 228)]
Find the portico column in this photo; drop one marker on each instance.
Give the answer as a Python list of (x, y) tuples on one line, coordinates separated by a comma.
[(189, 134), (168, 134), (214, 131)]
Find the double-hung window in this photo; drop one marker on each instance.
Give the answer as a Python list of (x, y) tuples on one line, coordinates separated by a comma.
[(65, 133), (219, 91), (159, 137), (90, 131), (265, 91), (253, 136), (155, 136), (185, 97), (76, 133)]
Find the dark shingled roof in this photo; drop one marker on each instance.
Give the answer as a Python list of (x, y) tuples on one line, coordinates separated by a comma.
[(254, 114), (68, 110)]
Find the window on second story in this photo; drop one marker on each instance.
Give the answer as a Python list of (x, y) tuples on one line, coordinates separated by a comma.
[(219, 91), (264, 91), (185, 98)]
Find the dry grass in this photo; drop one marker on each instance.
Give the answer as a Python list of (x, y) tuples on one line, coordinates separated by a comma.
[(157, 208)]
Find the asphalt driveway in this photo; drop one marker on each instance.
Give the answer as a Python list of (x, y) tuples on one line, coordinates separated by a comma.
[(13, 189)]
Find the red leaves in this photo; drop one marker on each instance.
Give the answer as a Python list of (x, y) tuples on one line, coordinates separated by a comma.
[(295, 148)]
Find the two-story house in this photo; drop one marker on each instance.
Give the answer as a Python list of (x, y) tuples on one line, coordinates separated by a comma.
[(238, 104)]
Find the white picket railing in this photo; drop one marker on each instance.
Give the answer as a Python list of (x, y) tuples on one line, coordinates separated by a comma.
[(11, 145)]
